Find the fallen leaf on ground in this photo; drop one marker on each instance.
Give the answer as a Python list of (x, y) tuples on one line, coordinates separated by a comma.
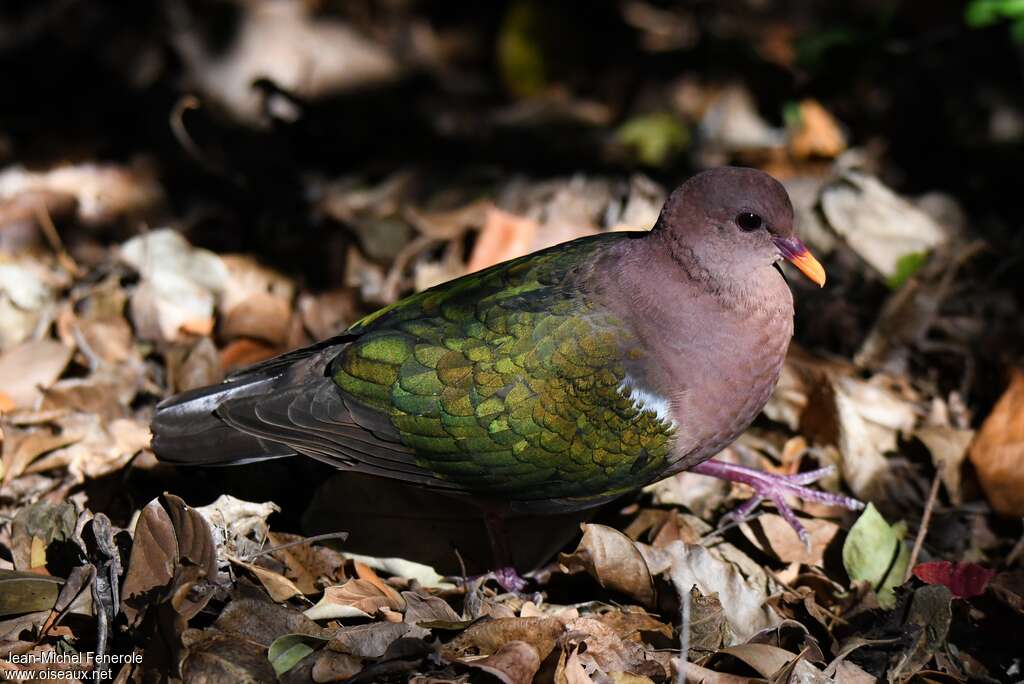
[(29, 367), (874, 552), (355, 598), (817, 134), (516, 662), (773, 535), (964, 580), (879, 225), (179, 284), (504, 236), (487, 636), (744, 605), (998, 451), (612, 558)]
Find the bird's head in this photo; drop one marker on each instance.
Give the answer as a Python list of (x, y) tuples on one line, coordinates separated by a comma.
[(730, 223)]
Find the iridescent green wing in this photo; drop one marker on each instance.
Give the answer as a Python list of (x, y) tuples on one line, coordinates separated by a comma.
[(510, 382)]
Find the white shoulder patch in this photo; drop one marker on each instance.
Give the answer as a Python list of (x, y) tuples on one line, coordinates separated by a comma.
[(647, 400)]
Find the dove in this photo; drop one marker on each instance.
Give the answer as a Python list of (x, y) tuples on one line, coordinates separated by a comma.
[(552, 382)]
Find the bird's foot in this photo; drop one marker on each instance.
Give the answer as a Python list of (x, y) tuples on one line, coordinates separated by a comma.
[(775, 488)]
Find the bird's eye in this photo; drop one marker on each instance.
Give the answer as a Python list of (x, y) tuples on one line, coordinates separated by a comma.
[(748, 221)]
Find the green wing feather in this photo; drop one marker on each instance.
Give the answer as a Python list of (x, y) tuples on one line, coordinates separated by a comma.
[(508, 382)]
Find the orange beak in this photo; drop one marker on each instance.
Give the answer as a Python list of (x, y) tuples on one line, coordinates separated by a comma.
[(797, 254)]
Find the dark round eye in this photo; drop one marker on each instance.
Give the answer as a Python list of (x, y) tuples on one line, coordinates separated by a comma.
[(748, 221)]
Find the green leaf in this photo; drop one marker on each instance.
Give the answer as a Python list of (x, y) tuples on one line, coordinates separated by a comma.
[(27, 592), (655, 138), (874, 552), (982, 13), (287, 650), (906, 266)]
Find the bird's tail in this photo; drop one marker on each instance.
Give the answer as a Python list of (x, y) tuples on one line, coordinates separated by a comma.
[(187, 431)]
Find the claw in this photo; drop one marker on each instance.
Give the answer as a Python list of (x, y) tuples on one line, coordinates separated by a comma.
[(775, 488)]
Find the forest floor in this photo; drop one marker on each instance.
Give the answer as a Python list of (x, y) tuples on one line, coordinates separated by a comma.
[(186, 189)]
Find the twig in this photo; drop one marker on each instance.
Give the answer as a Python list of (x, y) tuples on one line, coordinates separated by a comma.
[(298, 542), (922, 532), (53, 237)]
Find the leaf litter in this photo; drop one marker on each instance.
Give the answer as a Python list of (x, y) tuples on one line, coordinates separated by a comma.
[(116, 292)]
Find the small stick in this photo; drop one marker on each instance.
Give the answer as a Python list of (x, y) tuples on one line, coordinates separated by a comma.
[(922, 532), (298, 542), (53, 237)]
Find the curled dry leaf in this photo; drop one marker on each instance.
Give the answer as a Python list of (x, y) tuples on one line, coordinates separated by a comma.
[(239, 527), (426, 609), (948, 447), (310, 566), (516, 662), (613, 559), (745, 606), (487, 636), (607, 654), (373, 640), (773, 535), (256, 302), (179, 284), (998, 451), (277, 585), (864, 420), (172, 551), (355, 598)]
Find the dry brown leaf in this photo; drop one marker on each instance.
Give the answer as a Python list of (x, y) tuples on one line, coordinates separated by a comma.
[(606, 653), (102, 191), (308, 565), (333, 666), (998, 451), (355, 598), (152, 562), (219, 657), (29, 366), (612, 558), (245, 352), (504, 236), (172, 552), (773, 535), (948, 447), (488, 636), (22, 448), (179, 284), (744, 602), (256, 302), (278, 586), (365, 572), (516, 662), (818, 134), (372, 640), (419, 608)]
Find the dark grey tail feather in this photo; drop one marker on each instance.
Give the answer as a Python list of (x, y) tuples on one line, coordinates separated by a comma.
[(187, 431)]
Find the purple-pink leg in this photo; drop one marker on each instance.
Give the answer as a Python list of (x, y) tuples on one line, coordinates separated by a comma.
[(775, 488)]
